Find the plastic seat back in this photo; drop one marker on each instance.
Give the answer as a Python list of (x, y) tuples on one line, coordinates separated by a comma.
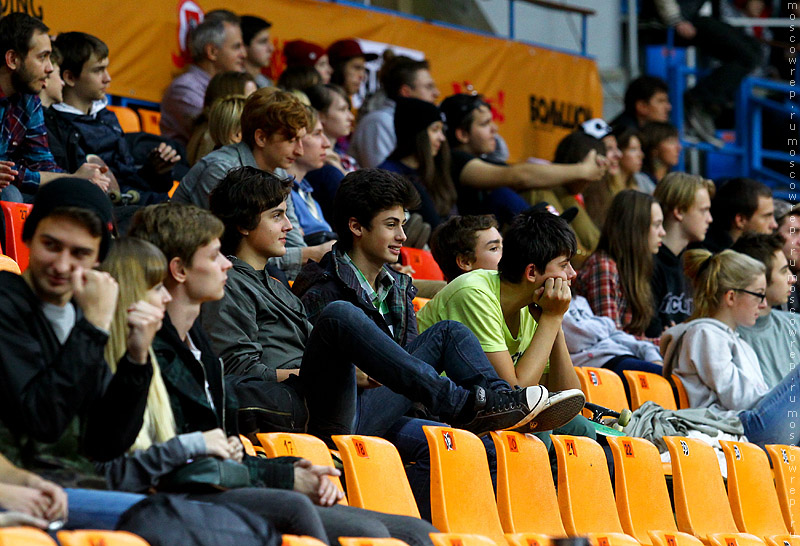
[(735, 539), (24, 536), (151, 121), (14, 215), (300, 540), (641, 491), (787, 479), (248, 445), (283, 444), (366, 541), (751, 490), (646, 386), (375, 476), (462, 497), (99, 538), (701, 504), (673, 538), (425, 267), (127, 118), (603, 387), (528, 539), (584, 487), (683, 398), (8, 264), (464, 539), (526, 495)]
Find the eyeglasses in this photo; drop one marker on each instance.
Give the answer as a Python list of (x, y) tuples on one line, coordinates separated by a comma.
[(761, 296)]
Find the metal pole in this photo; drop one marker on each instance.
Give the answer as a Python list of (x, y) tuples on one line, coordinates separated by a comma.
[(583, 34), (633, 40), (511, 19)]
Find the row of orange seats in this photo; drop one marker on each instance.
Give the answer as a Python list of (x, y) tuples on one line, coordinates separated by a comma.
[(527, 511)]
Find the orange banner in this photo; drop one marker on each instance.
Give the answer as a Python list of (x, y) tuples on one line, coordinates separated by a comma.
[(537, 95)]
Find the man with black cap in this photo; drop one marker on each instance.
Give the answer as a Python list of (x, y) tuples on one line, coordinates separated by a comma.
[(349, 64), (54, 325)]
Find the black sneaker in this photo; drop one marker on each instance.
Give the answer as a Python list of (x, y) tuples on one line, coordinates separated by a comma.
[(504, 410), (558, 410)]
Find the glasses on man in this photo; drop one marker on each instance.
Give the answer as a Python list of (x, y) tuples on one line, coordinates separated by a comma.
[(760, 295)]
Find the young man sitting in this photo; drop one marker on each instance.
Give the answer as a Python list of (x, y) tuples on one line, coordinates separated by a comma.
[(273, 125), (774, 335), (25, 160), (686, 202), (193, 374), (82, 125), (516, 312), (60, 405), (466, 243)]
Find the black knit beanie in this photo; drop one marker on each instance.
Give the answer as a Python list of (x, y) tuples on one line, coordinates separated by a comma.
[(71, 192), (412, 116)]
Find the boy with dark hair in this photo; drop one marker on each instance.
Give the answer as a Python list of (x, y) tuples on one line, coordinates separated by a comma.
[(740, 205), (81, 124), (259, 48), (189, 238), (374, 137), (646, 99), (774, 335), (274, 123), (54, 324), (464, 243), (25, 158)]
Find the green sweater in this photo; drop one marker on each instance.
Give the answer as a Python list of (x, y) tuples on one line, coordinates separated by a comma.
[(774, 339)]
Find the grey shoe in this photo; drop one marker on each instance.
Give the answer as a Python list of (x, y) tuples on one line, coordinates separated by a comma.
[(701, 122), (504, 410), (558, 410)]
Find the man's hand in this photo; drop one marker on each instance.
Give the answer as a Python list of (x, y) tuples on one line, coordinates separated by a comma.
[(594, 166), (95, 174), (96, 294), (235, 448), (7, 173), (686, 30), (57, 509), (553, 297), (144, 320), (311, 480), (364, 381), (405, 269), (316, 252), (163, 158), (27, 500)]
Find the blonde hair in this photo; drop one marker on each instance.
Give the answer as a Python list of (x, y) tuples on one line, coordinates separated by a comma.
[(139, 266), (678, 190), (225, 119), (714, 274)]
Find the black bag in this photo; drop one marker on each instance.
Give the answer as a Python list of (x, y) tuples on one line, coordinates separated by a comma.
[(268, 406), (207, 474), (169, 520)]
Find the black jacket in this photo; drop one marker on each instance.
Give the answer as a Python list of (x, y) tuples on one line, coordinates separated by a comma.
[(672, 292), (46, 386), (185, 378)]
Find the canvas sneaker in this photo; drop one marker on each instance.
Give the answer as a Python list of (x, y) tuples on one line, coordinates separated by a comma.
[(504, 410), (558, 410)]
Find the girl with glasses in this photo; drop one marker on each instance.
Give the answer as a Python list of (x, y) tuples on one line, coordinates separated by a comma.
[(720, 370)]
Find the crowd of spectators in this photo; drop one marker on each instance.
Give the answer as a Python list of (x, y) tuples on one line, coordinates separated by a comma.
[(130, 343)]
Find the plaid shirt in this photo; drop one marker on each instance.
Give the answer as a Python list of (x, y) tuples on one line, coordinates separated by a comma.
[(23, 139), (598, 281), (384, 282)]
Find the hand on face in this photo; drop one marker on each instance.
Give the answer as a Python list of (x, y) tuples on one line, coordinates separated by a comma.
[(553, 297)]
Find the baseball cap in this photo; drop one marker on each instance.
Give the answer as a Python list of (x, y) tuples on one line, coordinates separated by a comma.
[(347, 49)]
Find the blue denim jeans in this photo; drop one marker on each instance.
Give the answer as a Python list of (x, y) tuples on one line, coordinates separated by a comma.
[(774, 419), (11, 193), (97, 509), (344, 336)]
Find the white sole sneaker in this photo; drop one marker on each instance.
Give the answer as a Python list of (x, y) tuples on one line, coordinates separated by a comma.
[(558, 410)]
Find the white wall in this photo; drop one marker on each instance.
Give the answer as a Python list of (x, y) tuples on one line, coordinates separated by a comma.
[(562, 30)]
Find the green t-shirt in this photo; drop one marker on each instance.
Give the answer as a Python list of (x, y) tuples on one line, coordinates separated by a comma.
[(473, 299)]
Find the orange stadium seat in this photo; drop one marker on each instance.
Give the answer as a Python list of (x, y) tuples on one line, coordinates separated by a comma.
[(683, 398), (8, 264), (151, 121), (24, 536), (375, 476), (99, 538), (127, 118), (646, 386), (425, 267), (295, 540), (14, 215), (787, 478), (602, 387)]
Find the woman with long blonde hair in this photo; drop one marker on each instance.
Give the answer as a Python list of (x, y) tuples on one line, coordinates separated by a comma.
[(719, 370)]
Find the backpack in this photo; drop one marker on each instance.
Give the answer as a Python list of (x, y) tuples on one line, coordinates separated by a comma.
[(167, 520), (269, 406)]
